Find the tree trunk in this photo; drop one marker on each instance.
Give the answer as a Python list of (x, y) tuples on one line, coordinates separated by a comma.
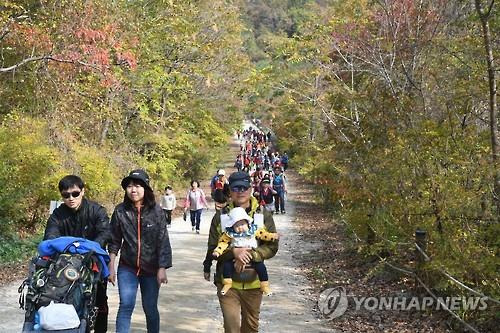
[(484, 18), (104, 132)]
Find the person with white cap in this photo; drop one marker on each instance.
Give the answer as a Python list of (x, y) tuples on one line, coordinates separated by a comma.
[(241, 232)]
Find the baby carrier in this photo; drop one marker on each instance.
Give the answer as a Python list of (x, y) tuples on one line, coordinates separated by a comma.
[(66, 272)]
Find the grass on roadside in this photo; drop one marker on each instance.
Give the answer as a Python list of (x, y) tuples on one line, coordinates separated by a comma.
[(14, 249)]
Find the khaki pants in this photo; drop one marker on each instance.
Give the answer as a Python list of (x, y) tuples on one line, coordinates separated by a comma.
[(244, 303)]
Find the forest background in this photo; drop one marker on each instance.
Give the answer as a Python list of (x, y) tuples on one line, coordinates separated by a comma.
[(388, 106)]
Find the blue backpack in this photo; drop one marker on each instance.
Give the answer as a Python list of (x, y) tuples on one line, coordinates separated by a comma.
[(278, 180), (213, 181)]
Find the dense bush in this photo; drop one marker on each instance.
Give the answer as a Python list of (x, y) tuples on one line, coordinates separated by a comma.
[(27, 173)]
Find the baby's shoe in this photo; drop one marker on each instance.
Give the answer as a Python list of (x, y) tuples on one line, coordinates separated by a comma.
[(264, 287), (226, 285)]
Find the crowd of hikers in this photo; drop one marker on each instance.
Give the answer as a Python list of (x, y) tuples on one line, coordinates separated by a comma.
[(265, 166), (242, 235)]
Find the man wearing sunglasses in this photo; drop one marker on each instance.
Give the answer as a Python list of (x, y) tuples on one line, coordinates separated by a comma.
[(241, 304), (79, 217)]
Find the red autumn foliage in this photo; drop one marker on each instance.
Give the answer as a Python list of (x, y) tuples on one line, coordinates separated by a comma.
[(128, 58), (29, 37), (89, 36), (97, 47), (85, 39)]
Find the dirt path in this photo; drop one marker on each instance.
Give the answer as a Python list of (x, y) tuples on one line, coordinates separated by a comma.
[(189, 304)]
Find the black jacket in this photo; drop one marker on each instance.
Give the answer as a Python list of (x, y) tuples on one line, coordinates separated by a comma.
[(221, 195), (90, 221), (143, 242)]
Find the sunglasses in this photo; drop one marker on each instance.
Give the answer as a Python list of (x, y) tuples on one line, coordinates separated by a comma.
[(74, 194), (239, 188)]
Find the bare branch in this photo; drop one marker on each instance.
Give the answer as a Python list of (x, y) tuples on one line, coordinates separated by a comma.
[(327, 114), (484, 15), (490, 8), (24, 62), (51, 58), (4, 33), (78, 62)]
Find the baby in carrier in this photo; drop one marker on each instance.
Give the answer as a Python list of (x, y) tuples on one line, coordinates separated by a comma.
[(241, 232)]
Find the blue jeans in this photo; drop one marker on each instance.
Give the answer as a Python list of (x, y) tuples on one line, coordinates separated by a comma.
[(128, 282), (279, 200), (195, 216)]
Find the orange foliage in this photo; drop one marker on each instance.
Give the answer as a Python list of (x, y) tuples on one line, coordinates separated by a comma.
[(29, 37)]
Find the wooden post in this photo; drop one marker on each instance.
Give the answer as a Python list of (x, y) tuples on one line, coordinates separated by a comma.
[(370, 235), (421, 241)]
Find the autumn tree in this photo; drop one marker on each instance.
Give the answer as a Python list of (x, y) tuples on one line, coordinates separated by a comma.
[(383, 105), (110, 86)]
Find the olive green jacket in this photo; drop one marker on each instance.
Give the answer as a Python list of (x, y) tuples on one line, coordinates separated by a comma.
[(264, 251)]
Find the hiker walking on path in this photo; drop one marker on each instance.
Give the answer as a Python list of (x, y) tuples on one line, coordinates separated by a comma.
[(284, 161), (240, 230), (279, 185), (241, 304), (195, 202), (238, 163), (168, 203), (138, 230), (220, 189), (79, 217), (266, 194)]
